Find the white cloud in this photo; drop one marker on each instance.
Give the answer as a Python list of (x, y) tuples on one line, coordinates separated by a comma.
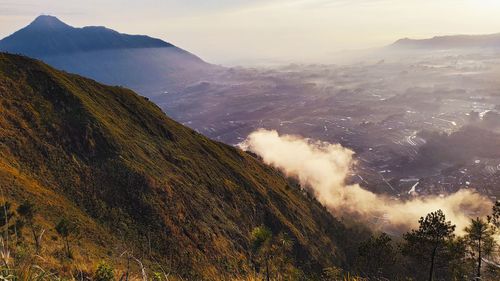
[(323, 167)]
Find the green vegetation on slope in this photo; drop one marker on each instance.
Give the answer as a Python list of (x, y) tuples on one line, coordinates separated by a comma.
[(133, 179)]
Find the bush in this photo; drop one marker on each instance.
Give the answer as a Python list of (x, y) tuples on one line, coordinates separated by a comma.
[(104, 272)]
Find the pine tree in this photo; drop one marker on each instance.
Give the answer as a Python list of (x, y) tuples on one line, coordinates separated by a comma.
[(480, 238), (429, 239), (376, 256)]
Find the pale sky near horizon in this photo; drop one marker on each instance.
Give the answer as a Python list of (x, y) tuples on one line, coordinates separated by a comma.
[(232, 31)]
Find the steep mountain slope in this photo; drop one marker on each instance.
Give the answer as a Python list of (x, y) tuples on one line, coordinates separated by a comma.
[(134, 179), (490, 41), (149, 65)]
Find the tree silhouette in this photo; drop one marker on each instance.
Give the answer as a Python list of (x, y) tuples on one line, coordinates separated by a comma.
[(376, 256), (65, 229), (495, 216), (27, 211), (432, 236), (480, 238), (261, 238)]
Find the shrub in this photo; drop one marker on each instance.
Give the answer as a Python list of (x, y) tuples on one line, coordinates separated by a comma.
[(104, 272)]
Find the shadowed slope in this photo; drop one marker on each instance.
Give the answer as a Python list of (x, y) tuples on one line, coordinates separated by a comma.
[(145, 181)]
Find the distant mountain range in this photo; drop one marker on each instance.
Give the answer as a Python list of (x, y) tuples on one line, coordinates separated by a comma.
[(151, 66), (491, 41)]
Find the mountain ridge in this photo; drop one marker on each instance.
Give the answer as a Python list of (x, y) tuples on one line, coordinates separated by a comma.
[(132, 176), (451, 42)]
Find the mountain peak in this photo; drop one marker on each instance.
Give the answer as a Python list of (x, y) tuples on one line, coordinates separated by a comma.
[(48, 22), (47, 35)]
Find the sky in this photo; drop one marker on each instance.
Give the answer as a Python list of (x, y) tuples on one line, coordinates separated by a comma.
[(249, 31)]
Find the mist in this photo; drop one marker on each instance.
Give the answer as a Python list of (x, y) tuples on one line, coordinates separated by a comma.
[(242, 31), (323, 168)]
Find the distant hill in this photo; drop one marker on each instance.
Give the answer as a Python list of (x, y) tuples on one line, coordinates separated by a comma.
[(145, 64), (133, 179), (491, 41)]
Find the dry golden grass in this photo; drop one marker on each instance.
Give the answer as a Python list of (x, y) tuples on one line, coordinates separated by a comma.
[(133, 179)]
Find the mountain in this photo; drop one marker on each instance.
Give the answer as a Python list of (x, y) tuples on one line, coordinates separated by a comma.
[(491, 41), (146, 64), (133, 179), (47, 36)]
